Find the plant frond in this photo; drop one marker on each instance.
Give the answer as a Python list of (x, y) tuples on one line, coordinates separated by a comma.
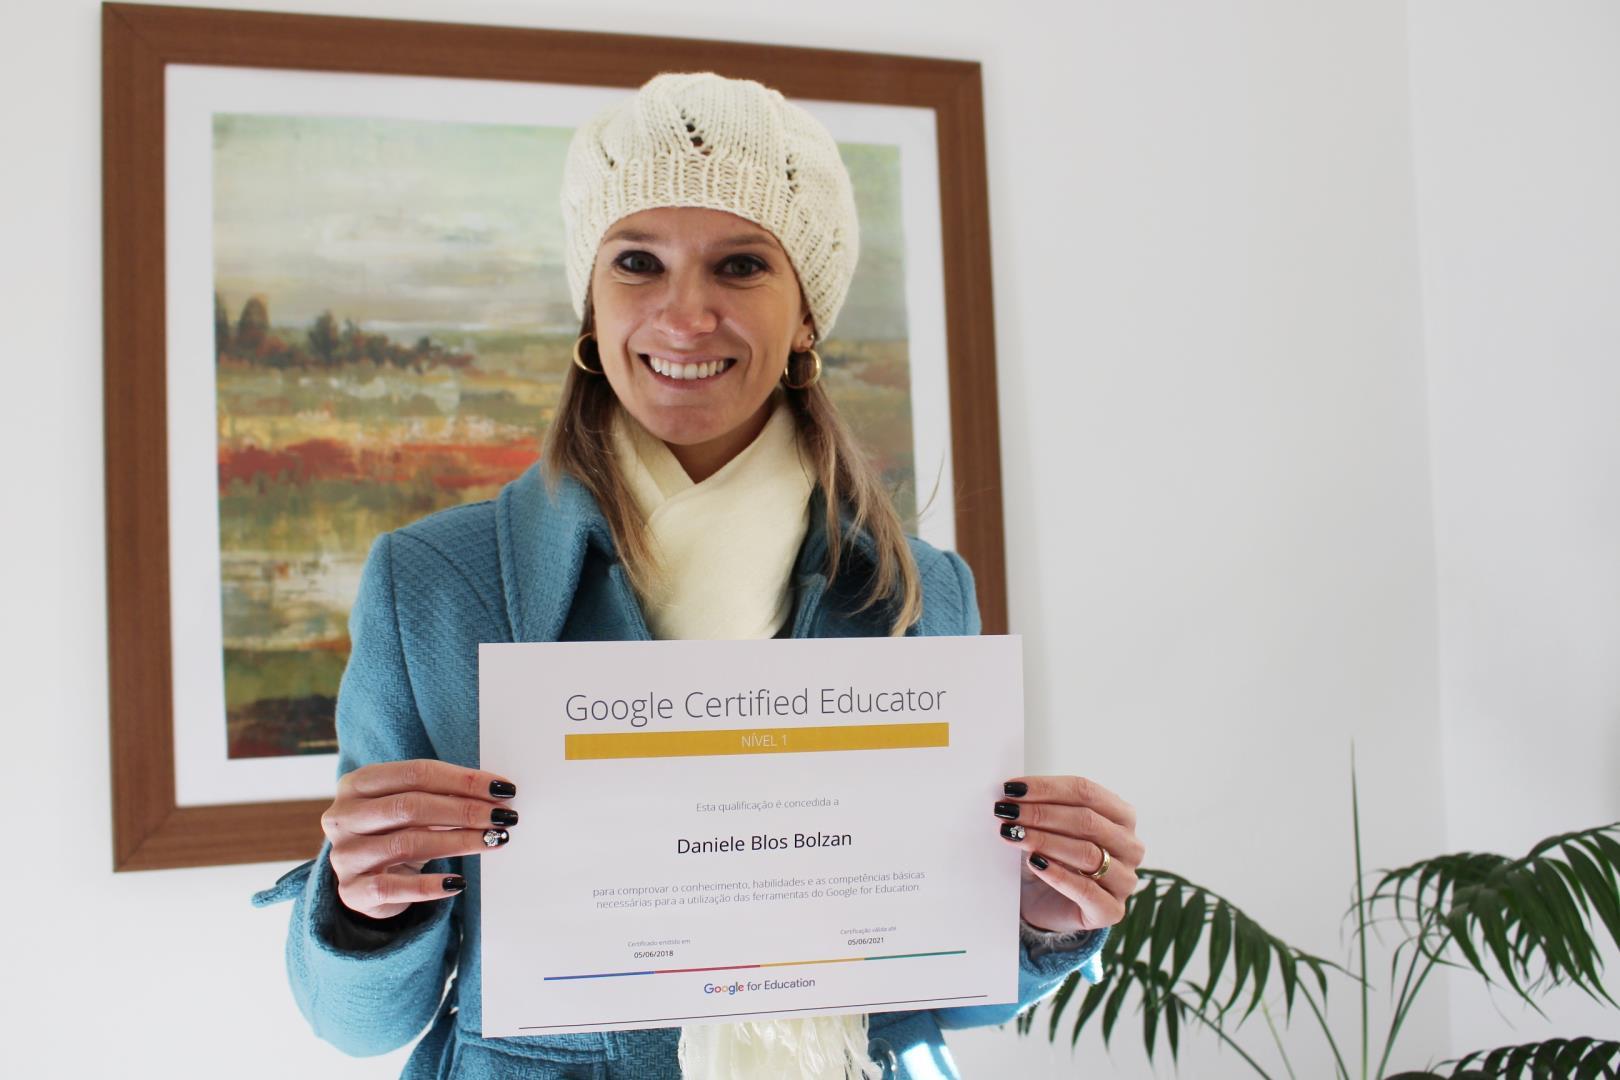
[(1529, 922), (1168, 924), (1553, 1059)]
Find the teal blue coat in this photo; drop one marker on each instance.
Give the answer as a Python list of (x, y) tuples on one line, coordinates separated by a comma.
[(530, 566)]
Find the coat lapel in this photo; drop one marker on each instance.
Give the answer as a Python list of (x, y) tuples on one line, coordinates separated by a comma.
[(542, 542)]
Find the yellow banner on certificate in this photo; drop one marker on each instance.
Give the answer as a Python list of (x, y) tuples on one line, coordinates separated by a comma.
[(777, 740)]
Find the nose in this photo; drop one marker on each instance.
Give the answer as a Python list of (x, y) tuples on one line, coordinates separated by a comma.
[(689, 309)]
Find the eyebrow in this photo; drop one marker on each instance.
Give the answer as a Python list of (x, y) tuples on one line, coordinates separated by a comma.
[(637, 236)]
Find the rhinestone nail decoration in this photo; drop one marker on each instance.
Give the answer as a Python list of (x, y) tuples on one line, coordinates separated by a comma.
[(494, 837)]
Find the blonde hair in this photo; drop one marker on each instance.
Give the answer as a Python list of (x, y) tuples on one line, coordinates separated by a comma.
[(579, 444)]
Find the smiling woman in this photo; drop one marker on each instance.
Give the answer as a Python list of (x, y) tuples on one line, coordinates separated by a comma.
[(696, 483)]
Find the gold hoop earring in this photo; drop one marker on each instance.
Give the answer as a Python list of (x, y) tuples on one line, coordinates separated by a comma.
[(814, 377), (580, 363)]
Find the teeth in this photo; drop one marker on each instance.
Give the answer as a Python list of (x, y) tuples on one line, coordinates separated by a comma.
[(686, 372)]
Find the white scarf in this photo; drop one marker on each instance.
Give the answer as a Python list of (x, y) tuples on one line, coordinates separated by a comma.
[(726, 549)]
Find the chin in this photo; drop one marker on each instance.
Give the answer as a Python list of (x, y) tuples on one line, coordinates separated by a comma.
[(672, 427)]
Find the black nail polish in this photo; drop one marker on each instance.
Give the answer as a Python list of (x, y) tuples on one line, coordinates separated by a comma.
[(1038, 862), (1008, 810), (1016, 788), (1012, 832), (500, 789), (454, 883), (496, 837), (502, 816)]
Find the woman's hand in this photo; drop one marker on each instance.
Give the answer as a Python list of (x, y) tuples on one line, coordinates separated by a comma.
[(1067, 822), (390, 818)]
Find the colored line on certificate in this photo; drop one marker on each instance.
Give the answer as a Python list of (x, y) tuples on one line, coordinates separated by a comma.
[(744, 967), (778, 740)]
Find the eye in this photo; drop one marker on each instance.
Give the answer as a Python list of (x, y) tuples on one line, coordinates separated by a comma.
[(751, 265), (623, 262)]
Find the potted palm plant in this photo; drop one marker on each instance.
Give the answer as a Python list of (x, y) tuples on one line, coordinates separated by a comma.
[(1529, 923)]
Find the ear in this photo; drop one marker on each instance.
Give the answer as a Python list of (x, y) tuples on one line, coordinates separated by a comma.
[(805, 336)]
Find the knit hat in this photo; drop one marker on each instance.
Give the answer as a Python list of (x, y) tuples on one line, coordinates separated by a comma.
[(700, 139)]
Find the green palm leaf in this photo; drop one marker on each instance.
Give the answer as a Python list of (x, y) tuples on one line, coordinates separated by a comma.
[(1528, 922), (1167, 924), (1554, 1059)]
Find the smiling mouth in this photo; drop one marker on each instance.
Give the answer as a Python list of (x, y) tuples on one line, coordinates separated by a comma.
[(687, 371)]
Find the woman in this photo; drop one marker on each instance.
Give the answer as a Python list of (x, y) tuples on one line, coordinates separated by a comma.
[(697, 484)]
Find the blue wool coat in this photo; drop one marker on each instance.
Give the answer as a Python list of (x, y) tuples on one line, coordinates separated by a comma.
[(533, 566)]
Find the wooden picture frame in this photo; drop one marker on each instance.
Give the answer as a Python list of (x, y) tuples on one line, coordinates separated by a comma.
[(139, 42)]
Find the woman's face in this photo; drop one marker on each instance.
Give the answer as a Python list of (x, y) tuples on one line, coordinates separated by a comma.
[(695, 313)]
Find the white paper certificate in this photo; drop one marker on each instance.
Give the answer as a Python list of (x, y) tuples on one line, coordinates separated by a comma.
[(717, 830)]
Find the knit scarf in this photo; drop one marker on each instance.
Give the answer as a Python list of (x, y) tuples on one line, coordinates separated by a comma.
[(725, 549)]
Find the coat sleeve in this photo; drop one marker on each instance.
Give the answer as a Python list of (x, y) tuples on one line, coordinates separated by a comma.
[(1044, 960), (373, 991)]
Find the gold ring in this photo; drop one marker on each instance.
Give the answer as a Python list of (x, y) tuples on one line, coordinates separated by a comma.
[(1102, 869)]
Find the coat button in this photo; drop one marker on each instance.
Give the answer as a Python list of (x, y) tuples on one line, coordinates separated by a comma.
[(880, 1051)]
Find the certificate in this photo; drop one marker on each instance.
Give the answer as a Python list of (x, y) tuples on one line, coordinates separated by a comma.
[(717, 830)]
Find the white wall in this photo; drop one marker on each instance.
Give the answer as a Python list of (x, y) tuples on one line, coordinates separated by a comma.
[(1517, 117), (1216, 452), (1215, 449)]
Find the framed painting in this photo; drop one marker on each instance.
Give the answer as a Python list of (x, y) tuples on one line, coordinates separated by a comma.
[(334, 302)]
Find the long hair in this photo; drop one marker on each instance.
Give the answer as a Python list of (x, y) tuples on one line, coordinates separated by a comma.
[(579, 443)]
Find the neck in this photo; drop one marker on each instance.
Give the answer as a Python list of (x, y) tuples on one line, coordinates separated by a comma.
[(702, 460)]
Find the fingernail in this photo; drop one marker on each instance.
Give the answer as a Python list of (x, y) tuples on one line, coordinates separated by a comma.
[(1016, 788), (502, 816), (454, 883), (500, 789), (1008, 810), (1013, 832), (1038, 862), (496, 837)]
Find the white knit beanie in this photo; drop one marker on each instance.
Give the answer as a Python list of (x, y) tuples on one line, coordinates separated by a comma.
[(700, 139)]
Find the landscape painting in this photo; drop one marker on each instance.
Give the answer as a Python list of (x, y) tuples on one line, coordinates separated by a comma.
[(391, 331)]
